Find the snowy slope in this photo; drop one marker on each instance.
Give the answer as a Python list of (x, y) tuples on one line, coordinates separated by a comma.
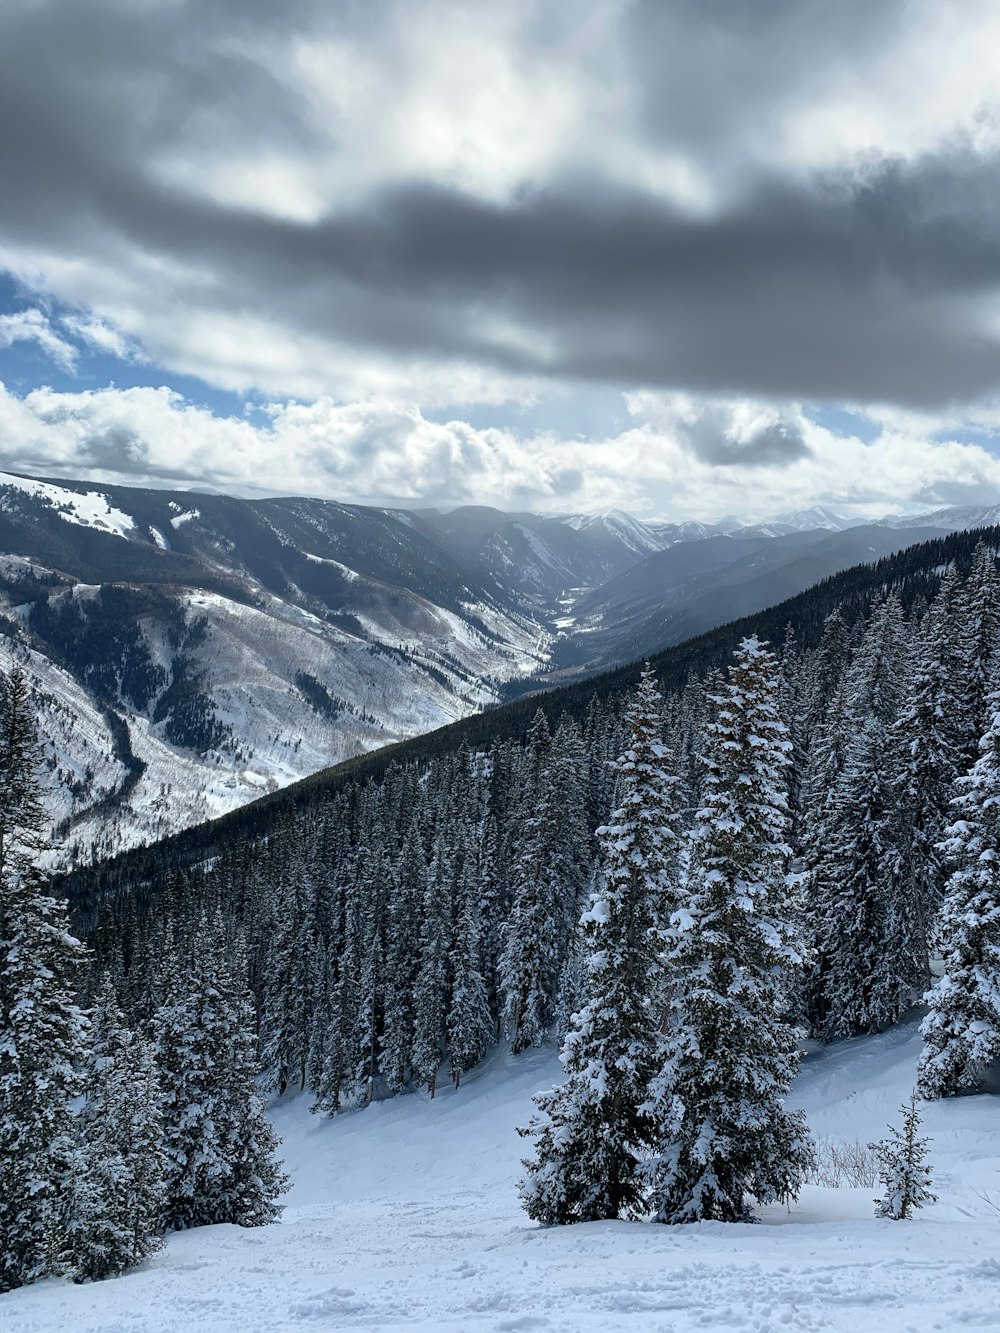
[(404, 1217), (189, 657), (394, 678), (81, 767), (90, 509)]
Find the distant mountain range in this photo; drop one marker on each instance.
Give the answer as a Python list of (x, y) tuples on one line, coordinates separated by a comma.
[(192, 651)]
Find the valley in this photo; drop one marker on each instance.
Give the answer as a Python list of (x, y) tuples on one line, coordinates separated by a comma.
[(192, 652)]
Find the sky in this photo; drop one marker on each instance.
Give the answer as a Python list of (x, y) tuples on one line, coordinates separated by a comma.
[(686, 259)]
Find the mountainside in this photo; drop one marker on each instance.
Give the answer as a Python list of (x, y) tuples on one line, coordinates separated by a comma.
[(692, 586), (192, 652), (913, 572), (543, 557)]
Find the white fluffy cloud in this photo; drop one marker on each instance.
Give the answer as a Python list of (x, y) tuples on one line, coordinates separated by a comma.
[(680, 457), (33, 326)]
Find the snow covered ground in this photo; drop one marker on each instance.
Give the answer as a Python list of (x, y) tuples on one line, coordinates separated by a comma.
[(405, 1216)]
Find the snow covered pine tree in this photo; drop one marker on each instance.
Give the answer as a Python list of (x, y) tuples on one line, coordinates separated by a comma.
[(591, 1131), (903, 1168), (728, 1053), (41, 1029), (868, 927), (219, 1146), (962, 1030), (116, 1205)]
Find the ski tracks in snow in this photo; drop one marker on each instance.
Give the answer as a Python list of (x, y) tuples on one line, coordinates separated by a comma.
[(405, 1217)]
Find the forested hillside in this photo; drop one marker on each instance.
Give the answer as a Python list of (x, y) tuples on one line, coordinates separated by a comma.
[(913, 574), (394, 924)]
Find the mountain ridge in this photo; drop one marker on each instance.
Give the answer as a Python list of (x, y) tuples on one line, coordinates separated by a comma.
[(195, 650)]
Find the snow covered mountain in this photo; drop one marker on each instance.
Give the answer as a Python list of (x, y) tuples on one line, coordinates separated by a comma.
[(195, 650), (191, 652), (954, 518), (817, 518), (538, 556), (619, 529)]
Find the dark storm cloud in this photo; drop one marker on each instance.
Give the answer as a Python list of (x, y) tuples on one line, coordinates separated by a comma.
[(773, 444), (710, 72), (857, 288)]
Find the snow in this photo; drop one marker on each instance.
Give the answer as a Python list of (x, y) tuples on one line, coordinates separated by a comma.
[(180, 519), (634, 535), (90, 510), (405, 1217), (541, 550), (351, 575), (81, 765), (416, 666)]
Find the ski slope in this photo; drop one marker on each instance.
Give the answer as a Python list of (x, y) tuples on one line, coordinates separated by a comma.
[(405, 1216)]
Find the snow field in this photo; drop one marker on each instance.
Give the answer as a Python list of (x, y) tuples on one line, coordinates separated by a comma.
[(92, 510), (404, 1216)]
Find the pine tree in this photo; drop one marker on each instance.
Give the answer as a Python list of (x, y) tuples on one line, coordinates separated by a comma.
[(255, 1180), (218, 1144), (903, 1168), (41, 1028), (469, 1023), (285, 1017), (727, 1056), (871, 946), (792, 689), (402, 960), (430, 996), (869, 935), (549, 878), (564, 794), (962, 1030), (592, 1132), (350, 984), (116, 1200), (977, 615), (319, 1013), (929, 745), (494, 905), (332, 1060), (573, 992), (821, 814)]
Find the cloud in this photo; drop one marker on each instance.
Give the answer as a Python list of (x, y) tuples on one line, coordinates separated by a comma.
[(462, 203), (736, 433), (679, 457), (100, 337), (33, 326)]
